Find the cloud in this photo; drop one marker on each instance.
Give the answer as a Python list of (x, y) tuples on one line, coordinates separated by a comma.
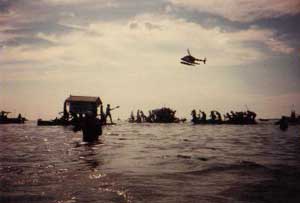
[(6, 6), (149, 44), (104, 3), (244, 10), (153, 37)]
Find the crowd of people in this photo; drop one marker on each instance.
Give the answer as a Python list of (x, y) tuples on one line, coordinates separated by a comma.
[(162, 115), (241, 117)]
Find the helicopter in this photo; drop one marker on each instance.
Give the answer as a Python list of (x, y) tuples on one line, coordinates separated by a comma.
[(190, 60)]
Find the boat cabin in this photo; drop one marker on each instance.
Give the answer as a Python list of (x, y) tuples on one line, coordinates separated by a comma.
[(81, 104)]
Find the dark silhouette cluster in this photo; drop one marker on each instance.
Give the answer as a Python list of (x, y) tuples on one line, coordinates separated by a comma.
[(4, 119), (161, 115), (241, 117)]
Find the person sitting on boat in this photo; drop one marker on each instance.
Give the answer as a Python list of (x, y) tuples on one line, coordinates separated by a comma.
[(251, 115), (213, 116), (195, 118), (199, 115), (150, 118), (3, 114), (234, 116), (203, 117), (219, 116), (228, 116), (131, 117), (138, 117), (143, 117)]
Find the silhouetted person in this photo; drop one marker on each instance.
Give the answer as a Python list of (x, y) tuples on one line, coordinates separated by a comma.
[(143, 116), (150, 117), (199, 115), (108, 114), (293, 116), (283, 123), (251, 115), (138, 117), (213, 116), (3, 115), (91, 127), (219, 116), (194, 116), (203, 117), (233, 115), (131, 116), (228, 116)]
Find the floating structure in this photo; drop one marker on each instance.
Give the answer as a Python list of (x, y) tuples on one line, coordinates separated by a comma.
[(161, 115), (4, 119), (75, 107), (80, 112)]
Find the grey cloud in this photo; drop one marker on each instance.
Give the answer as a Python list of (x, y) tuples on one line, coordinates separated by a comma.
[(6, 5), (46, 17), (47, 27), (17, 41), (286, 27)]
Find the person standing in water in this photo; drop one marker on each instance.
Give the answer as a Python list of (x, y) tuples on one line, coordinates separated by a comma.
[(108, 114), (283, 123)]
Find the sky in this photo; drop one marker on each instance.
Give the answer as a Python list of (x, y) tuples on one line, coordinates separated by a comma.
[(128, 53)]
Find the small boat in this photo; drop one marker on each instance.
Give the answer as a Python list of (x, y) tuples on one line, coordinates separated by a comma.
[(5, 120), (12, 121), (55, 122)]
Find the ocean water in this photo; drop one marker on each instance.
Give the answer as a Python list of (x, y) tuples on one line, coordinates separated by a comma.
[(150, 163)]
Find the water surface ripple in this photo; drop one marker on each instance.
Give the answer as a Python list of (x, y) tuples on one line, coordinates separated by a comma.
[(150, 163)]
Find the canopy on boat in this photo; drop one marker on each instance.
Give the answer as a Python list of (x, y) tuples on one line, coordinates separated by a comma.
[(82, 104)]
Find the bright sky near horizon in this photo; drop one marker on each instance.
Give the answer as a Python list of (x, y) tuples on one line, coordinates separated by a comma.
[(128, 51)]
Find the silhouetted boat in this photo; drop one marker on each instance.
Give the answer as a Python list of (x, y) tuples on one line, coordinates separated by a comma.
[(161, 115), (12, 120), (216, 122), (56, 122), (5, 120), (292, 120)]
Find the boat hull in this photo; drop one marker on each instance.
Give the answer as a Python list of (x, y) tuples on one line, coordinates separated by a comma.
[(12, 121)]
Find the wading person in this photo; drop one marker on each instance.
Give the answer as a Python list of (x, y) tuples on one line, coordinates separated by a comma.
[(91, 127)]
